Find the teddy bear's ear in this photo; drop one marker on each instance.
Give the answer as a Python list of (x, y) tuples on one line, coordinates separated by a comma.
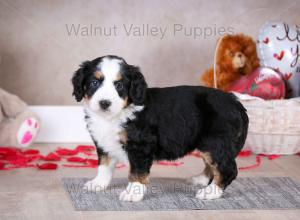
[(78, 80), (251, 53), (249, 44)]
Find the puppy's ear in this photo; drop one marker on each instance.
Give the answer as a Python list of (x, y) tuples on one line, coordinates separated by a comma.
[(138, 85), (78, 80)]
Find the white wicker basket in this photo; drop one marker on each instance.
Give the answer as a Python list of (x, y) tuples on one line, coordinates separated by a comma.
[(274, 126)]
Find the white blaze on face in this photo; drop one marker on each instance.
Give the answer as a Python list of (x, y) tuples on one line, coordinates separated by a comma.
[(110, 68)]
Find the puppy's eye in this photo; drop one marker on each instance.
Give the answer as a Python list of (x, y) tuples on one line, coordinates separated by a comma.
[(94, 83), (119, 86)]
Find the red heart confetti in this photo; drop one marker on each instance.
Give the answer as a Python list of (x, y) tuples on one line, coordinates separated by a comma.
[(266, 41), (52, 157), (47, 166), (92, 162), (76, 159), (84, 148), (31, 151), (287, 76), (279, 56), (2, 165), (66, 152)]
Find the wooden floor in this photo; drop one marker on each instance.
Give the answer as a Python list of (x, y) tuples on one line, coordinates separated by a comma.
[(34, 194)]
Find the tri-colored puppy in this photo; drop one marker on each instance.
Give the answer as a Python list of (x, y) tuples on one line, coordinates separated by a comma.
[(131, 123)]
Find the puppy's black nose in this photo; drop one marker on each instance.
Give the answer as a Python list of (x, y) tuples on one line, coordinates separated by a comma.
[(104, 104)]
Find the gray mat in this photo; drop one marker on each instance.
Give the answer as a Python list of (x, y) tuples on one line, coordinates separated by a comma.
[(175, 194)]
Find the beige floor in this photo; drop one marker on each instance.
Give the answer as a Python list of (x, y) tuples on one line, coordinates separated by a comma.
[(33, 194)]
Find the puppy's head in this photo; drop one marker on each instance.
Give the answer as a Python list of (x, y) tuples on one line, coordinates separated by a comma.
[(108, 85)]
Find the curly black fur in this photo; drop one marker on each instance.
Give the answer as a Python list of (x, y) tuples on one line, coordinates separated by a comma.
[(178, 120)]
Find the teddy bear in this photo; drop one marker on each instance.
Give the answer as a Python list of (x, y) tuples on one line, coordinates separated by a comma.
[(18, 125), (236, 57)]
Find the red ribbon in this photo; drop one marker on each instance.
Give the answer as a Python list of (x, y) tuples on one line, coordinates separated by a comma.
[(257, 164), (169, 163), (248, 153)]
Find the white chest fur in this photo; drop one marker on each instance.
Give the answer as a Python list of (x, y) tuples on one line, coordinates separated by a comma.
[(106, 130)]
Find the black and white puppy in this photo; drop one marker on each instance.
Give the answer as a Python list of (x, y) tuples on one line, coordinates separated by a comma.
[(131, 123)]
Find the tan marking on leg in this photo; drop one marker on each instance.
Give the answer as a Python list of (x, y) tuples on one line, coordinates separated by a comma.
[(123, 136), (211, 168), (126, 103), (98, 74), (217, 177), (208, 171), (206, 157), (119, 77), (144, 178)]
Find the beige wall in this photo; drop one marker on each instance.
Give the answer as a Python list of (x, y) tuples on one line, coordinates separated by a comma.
[(38, 57)]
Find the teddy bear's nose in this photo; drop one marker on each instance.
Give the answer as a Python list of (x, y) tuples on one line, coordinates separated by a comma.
[(240, 55)]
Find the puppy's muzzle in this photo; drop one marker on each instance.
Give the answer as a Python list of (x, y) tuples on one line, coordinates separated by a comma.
[(104, 104)]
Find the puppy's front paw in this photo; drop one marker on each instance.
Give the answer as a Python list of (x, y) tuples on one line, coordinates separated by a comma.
[(97, 184), (212, 191), (134, 192), (201, 180)]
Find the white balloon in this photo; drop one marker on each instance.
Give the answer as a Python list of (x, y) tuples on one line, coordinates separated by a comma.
[(278, 47)]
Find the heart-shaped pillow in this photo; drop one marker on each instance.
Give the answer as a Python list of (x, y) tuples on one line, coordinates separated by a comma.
[(263, 82)]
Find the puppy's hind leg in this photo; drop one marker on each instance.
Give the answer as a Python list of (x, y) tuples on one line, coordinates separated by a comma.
[(221, 161)]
